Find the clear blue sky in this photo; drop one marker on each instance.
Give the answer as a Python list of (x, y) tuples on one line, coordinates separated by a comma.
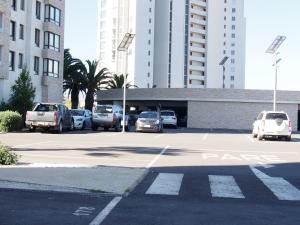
[(265, 20)]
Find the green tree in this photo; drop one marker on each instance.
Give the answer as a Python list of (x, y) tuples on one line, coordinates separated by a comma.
[(22, 93), (117, 81), (94, 81), (73, 78)]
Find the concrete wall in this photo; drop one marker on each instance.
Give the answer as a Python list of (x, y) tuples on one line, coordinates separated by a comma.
[(232, 115)]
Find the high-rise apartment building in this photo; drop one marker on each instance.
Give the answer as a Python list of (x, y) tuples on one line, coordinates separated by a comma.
[(178, 43), (32, 37)]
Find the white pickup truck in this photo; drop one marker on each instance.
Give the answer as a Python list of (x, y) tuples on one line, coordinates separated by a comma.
[(49, 116)]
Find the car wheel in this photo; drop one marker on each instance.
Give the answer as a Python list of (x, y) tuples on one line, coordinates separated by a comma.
[(259, 136), (32, 129), (60, 128), (254, 135), (94, 127), (83, 126), (71, 126), (118, 126)]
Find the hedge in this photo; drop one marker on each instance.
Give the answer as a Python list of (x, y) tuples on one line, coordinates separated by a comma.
[(6, 156), (10, 121)]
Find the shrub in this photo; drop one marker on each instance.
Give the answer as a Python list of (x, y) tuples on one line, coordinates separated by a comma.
[(7, 157), (10, 121)]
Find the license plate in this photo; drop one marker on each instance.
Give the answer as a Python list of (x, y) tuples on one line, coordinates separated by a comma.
[(103, 115), (147, 126)]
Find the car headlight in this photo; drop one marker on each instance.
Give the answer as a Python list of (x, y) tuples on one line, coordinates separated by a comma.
[(156, 122)]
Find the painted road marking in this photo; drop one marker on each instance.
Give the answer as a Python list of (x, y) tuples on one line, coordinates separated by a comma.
[(31, 144), (224, 187), (157, 157), (243, 157), (106, 211), (159, 136), (84, 211), (281, 188), (166, 184), (204, 137)]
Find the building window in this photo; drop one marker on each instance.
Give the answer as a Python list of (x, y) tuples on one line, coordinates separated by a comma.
[(20, 65), (233, 27), (233, 35), (37, 37), (14, 5), (51, 68), (22, 5), (11, 60), (149, 42), (52, 41), (233, 10), (149, 64), (232, 52), (38, 10), (1, 21), (52, 14), (13, 30), (233, 18), (150, 21), (232, 78), (21, 32), (232, 44), (36, 66), (148, 74), (149, 52), (232, 61)]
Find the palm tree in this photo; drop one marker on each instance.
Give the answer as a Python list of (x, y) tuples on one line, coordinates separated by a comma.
[(117, 81), (93, 81), (73, 77)]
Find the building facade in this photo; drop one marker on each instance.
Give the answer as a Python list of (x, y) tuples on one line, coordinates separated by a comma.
[(178, 44), (32, 37)]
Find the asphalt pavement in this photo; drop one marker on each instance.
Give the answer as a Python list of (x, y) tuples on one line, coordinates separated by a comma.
[(194, 177)]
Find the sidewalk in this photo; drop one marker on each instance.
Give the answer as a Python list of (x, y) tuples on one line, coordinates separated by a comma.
[(68, 178)]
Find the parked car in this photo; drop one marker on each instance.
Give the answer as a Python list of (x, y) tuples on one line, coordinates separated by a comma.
[(49, 116), (149, 121), (169, 118), (272, 124), (82, 118), (107, 116)]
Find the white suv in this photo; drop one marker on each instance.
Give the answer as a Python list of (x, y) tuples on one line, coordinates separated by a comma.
[(272, 124), (169, 118)]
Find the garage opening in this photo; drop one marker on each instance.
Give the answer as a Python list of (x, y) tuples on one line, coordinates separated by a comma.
[(299, 118)]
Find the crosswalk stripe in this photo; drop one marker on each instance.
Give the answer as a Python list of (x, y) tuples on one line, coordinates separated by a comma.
[(281, 188), (224, 187), (166, 184)]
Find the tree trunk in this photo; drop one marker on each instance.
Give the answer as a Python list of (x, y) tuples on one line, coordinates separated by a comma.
[(74, 98), (89, 100)]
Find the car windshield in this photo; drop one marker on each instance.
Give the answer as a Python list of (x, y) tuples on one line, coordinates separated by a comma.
[(148, 115), (167, 113), (77, 112), (103, 109), (46, 108), (274, 116)]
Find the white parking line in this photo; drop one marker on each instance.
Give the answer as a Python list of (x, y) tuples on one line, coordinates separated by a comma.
[(106, 211), (224, 187), (31, 144), (281, 188), (157, 157), (205, 137), (166, 184), (159, 136)]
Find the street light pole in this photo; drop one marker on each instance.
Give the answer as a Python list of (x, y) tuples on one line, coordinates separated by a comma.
[(222, 63), (273, 50), (123, 47)]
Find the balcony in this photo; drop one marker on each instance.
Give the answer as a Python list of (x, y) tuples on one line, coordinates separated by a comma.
[(197, 2), (198, 12), (198, 30), (198, 21), (197, 68), (197, 49), (197, 58), (198, 40)]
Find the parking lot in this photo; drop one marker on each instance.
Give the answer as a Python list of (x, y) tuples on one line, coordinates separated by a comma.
[(202, 175), (132, 149)]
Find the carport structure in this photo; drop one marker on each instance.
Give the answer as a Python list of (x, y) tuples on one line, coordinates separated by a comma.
[(209, 108)]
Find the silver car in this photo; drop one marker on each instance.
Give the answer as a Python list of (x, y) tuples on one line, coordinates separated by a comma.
[(149, 121)]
